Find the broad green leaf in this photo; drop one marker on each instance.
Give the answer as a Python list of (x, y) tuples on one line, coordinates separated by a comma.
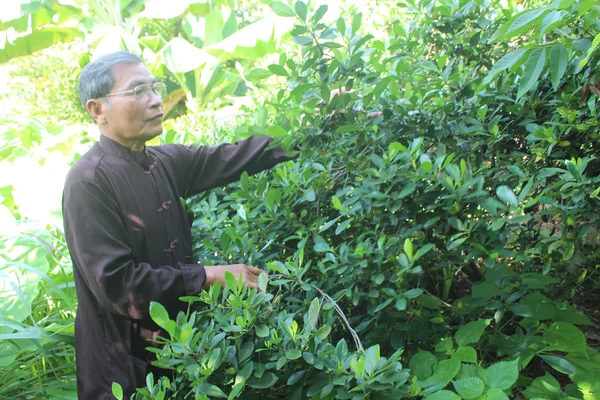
[(443, 395), (301, 10), (278, 70), (267, 380), (582, 63), (293, 354), (35, 41), (443, 375), (559, 364), (295, 377), (506, 62), (533, 68), (566, 336), (356, 22), (422, 365), (495, 394), (466, 354), (230, 281), (321, 245), (520, 24), (283, 10), (262, 331), (276, 130), (544, 387), (246, 350), (507, 195), (471, 332), (469, 388), (159, 314), (413, 293), (408, 248), (210, 390), (117, 391), (372, 359), (552, 20), (258, 74), (181, 56), (263, 281), (313, 315), (559, 60), (501, 375)]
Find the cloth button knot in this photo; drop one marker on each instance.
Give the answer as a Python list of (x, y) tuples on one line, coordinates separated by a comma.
[(164, 206), (171, 246)]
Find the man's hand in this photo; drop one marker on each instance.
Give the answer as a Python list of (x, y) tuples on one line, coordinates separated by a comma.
[(217, 273)]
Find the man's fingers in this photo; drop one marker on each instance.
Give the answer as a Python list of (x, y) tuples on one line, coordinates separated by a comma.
[(254, 270)]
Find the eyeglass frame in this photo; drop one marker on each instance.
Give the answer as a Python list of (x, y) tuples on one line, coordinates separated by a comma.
[(151, 87)]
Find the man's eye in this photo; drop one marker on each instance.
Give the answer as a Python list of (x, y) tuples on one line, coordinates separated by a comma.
[(138, 91)]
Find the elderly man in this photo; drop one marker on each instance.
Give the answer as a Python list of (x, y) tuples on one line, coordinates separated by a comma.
[(129, 237)]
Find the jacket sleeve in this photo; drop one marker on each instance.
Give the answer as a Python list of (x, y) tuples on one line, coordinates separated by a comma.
[(202, 168), (100, 250)]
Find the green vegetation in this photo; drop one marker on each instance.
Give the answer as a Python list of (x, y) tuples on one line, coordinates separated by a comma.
[(437, 236)]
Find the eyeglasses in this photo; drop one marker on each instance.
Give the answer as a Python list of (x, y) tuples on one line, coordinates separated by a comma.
[(141, 91)]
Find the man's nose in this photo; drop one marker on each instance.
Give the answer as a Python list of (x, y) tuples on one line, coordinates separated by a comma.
[(155, 100)]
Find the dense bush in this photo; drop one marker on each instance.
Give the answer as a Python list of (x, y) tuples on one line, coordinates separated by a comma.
[(434, 237), (434, 229)]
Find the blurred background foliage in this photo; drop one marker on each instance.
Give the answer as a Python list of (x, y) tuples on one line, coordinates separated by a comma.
[(437, 237)]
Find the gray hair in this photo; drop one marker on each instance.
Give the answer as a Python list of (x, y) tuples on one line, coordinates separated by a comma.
[(96, 78)]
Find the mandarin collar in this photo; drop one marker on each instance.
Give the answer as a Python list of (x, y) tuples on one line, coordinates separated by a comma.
[(142, 158)]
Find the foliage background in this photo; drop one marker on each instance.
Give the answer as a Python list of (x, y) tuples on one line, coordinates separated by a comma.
[(436, 236)]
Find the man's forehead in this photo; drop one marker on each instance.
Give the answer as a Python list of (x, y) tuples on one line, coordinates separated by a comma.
[(131, 74)]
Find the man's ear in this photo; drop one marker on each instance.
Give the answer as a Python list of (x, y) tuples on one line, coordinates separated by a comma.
[(96, 110)]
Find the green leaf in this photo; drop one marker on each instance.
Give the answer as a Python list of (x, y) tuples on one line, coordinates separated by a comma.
[(507, 195), (246, 350), (210, 390), (408, 248), (546, 387), (295, 377), (372, 359), (356, 22), (35, 41), (262, 331), (506, 62), (267, 380), (520, 24), (301, 10), (566, 336), (471, 332), (159, 314), (230, 281), (321, 245), (117, 391), (466, 354), (501, 375), (278, 70), (533, 68), (559, 364), (443, 395), (413, 293), (559, 60), (551, 20), (258, 74), (443, 375), (283, 10), (181, 56), (263, 281), (276, 130), (495, 394), (293, 354), (469, 388)]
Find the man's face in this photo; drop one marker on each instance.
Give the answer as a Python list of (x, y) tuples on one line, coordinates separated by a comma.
[(127, 119)]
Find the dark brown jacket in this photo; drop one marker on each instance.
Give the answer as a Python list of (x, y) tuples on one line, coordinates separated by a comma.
[(130, 242)]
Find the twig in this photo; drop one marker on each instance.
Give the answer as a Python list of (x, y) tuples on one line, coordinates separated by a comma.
[(343, 316), (440, 300)]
